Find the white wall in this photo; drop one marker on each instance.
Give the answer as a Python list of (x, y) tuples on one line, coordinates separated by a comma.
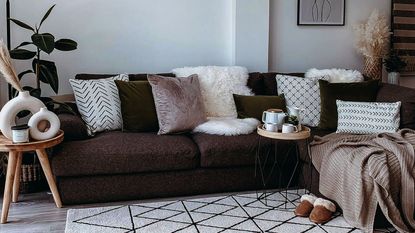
[(158, 35), (298, 48), (131, 35), (251, 34)]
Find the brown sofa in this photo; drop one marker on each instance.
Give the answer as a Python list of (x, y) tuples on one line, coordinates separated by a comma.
[(115, 166)]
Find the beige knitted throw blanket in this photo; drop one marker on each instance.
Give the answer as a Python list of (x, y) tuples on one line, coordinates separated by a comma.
[(360, 172)]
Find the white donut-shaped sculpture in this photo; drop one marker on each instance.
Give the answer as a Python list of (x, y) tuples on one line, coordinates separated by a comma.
[(44, 115), (24, 101)]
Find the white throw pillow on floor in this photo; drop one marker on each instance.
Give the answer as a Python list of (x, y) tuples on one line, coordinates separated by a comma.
[(99, 103), (217, 85)]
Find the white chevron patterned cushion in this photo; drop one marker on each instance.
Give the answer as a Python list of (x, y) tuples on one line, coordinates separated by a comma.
[(368, 117), (99, 103), (302, 93)]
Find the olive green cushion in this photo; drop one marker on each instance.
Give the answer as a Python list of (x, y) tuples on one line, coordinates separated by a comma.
[(254, 106), (330, 92), (137, 106)]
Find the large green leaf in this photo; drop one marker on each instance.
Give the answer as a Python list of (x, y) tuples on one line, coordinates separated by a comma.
[(20, 76), (23, 44), (44, 41), (46, 15), (47, 73), (23, 25), (65, 45), (22, 54)]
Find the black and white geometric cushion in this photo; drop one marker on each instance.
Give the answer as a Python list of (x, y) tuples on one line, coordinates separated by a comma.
[(99, 103), (302, 93), (368, 117)]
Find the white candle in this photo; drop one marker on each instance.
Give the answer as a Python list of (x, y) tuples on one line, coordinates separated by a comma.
[(20, 133)]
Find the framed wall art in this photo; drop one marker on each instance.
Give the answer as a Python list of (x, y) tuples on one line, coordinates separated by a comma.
[(321, 12)]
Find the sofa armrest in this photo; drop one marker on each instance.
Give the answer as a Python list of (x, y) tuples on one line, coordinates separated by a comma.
[(394, 93), (73, 126)]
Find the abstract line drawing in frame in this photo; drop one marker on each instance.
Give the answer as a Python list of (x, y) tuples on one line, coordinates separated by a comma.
[(321, 12)]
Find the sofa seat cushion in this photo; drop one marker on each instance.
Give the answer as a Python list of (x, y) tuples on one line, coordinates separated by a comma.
[(227, 151), (120, 153)]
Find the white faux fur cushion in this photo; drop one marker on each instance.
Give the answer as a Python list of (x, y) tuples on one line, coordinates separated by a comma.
[(228, 126), (336, 75), (217, 85)]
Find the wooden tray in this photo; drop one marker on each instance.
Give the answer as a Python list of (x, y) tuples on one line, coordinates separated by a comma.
[(303, 134), (7, 145)]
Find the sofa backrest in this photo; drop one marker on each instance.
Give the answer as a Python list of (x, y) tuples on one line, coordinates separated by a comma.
[(260, 83), (394, 93), (266, 84)]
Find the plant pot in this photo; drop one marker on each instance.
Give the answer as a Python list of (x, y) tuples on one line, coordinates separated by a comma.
[(393, 78), (373, 68)]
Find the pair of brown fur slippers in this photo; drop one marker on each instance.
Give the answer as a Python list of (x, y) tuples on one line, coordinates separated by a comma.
[(318, 210)]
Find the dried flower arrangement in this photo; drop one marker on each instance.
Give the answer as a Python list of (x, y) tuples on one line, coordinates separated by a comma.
[(373, 36), (7, 69)]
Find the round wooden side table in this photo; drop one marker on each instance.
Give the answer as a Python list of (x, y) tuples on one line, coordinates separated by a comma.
[(11, 189), (261, 164)]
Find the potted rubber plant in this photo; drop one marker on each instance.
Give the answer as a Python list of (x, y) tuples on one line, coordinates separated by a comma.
[(37, 49), (394, 65)]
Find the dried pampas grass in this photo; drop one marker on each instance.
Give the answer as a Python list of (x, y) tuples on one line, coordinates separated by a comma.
[(7, 69), (373, 36)]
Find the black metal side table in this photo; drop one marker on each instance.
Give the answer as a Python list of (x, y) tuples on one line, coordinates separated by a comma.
[(264, 159)]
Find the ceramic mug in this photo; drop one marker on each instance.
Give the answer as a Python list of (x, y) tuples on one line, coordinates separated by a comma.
[(289, 128), (271, 127), (274, 116)]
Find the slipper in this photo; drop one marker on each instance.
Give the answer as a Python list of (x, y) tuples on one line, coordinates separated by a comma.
[(323, 211), (306, 206)]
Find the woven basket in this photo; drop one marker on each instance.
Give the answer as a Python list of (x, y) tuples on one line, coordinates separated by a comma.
[(32, 178), (373, 68)]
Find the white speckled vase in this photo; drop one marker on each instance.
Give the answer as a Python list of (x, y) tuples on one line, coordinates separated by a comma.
[(44, 115), (24, 101), (393, 78)]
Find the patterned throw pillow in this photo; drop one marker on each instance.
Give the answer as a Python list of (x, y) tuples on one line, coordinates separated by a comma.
[(367, 117), (98, 103), (302, 93)]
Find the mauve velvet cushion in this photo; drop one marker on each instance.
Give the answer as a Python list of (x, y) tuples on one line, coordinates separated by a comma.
[(179, 104)]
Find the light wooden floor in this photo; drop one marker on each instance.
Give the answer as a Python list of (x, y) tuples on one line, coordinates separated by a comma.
[(35, 213)]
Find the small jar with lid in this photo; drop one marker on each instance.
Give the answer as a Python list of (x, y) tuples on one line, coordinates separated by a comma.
[(20, 133)]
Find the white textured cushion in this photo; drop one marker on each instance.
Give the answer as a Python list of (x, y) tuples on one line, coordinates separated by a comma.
[(302, 93), (368, 117), (99, 103), (217, 85), (336, 75)]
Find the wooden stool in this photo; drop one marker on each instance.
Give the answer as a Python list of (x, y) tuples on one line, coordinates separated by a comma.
[(11, 189)]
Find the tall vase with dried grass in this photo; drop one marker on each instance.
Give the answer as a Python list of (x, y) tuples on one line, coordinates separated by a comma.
[(372, 41), (24, 101)]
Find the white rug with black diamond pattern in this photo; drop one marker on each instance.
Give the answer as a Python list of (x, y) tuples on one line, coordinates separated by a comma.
[(230, 213)]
